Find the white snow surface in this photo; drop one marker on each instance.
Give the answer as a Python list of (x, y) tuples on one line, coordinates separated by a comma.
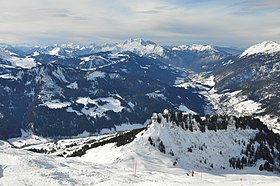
[(271, 121), (138, 163), (185, 109), (25, 63), (7, 76), (137, 46), (98, 107), (234, 103), (55, 51), (55, 104), (122, 127), (96, 74), (26, 139), (73, 85), (156, 95), (70, 109), (266, 47), (195, 47)]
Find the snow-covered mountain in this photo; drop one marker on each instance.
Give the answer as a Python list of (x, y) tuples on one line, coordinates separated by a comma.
[(195, 47), (138, 46), (52, 100), (253, 78), (137, 163), (144, 59), (181, 140), (197, 57), (11, 58), (53, 92), (219, 149), (265, 47), (131, 63), (62, 50), (173, 67)]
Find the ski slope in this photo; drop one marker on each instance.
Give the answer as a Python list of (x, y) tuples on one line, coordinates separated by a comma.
[(20, 167), (138, 162)]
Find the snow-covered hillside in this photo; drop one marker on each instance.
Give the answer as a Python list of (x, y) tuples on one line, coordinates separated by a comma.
[(163, 153), (213, 143), (265, 47), (12, 59), (19, 167), (229, 102)]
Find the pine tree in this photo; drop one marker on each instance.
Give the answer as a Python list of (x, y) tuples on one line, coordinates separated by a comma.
[(161, 147)]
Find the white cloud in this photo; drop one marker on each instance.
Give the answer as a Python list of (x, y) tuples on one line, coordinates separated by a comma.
[(177, 21)]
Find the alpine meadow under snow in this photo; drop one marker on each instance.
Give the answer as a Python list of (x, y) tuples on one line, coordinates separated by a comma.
[(138, 113)]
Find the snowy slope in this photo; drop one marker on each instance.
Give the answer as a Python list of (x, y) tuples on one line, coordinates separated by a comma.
[(266, 47), (19, 167), (182, 139), (140, 162), (12, 57), (71, 100), (230, 102)]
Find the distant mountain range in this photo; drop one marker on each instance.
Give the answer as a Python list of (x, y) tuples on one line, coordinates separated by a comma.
[(198, 56), (63, 90)]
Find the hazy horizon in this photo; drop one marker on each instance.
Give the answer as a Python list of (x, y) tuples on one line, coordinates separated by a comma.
[(240, 24)]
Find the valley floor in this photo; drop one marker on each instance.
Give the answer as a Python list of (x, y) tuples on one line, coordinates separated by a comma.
[(20, 167)]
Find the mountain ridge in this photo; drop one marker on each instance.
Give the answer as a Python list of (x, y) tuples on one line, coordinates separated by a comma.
[(214, 143), (265, 47)]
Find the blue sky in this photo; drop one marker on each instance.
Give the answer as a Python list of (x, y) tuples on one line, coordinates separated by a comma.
[(239, 23)]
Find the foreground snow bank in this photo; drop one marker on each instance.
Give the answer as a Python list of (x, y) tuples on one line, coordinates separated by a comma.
[(19, 167)]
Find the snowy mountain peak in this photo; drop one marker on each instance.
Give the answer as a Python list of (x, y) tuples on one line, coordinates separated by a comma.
[(139, 41), (266, 47), (64, 50), (70, 46), (138, 46), (195, 47), (200, 47), (5, 46), (55, 51)]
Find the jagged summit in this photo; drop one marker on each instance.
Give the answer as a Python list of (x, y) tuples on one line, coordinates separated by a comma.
[(139, 40), (266, 47), (138, 46)]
